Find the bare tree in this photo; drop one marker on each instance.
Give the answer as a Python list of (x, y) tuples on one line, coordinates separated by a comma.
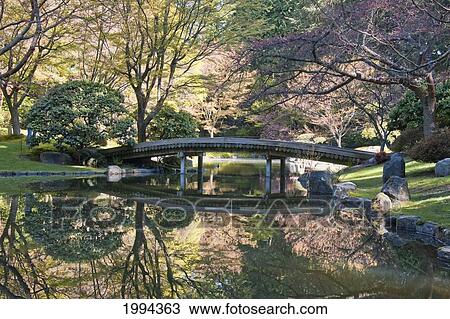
[(383, 42), (376, 103), (333, 114)]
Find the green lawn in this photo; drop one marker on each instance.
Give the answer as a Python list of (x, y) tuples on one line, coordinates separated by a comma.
[(430, 196), (13, 157)]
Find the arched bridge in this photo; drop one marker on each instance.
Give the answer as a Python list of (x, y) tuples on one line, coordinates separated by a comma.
[(270, 148)]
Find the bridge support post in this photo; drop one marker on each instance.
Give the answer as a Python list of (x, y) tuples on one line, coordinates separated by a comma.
[(283, 175), (200, 173), (268, 180), (182, 156)]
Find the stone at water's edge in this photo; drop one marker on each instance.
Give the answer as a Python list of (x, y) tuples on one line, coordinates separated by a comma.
[(317, 183), (382, 203), (394, 167), (395, 239), (397, 188), (363, 205), (407, 223), (55, 158), (442, 168), (115, 170)]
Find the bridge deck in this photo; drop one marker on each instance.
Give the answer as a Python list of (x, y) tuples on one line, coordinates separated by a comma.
[(270, 148)]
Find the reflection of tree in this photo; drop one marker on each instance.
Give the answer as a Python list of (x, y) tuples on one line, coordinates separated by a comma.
[(149, 271), (273, 268), (19, 275), (75, 229)]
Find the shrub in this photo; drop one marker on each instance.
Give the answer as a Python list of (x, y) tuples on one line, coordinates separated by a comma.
[(80, 114), (432, 149), (41, 148), (407, 139)]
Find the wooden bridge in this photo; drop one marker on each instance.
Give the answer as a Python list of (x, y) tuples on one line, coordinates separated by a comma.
[(186, 147), (270, 148)]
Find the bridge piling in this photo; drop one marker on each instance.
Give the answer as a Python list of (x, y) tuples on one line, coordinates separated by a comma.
[(268, 179), (182, 156), (200, 173), (283, 175)]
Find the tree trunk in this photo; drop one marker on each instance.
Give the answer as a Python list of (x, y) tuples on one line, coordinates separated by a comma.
[(15, 120), (427, 97), (211, 134), (339, 140), (429, 114), (142, 136)]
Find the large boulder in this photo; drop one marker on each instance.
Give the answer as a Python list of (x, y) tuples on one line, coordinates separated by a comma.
[(382, 203), (442, 168), (55, 158), (396, 188), (317, 183), (394, 167)]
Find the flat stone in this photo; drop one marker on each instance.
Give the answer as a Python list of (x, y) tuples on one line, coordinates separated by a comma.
[(427, 229), (442, 168), (382, 203), (396, 188), (55, 158), (407, 223)]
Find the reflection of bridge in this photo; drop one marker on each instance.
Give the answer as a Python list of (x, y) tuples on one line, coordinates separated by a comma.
[(271, 149)]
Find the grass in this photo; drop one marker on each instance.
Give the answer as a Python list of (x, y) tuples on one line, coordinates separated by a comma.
[(14, 157), (430, 195)]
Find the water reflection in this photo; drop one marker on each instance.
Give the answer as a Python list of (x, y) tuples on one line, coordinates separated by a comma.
[(70, 244)]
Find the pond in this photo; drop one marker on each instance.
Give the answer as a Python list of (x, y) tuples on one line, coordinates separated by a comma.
[(141, 238)]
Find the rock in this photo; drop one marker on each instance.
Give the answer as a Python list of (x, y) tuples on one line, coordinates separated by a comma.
[(382, 203), (390, 222), (115, 170), (55, 158), (442, 168), (363, 205), (394, 239), (394, 167), (342, 189), (317, 183), (426, 232), (397, 188), (427, 229), (113, 178), (443, 236), (443, 253), (407, 223)]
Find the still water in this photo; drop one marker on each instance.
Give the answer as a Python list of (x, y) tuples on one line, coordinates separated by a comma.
[(142, 238)]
